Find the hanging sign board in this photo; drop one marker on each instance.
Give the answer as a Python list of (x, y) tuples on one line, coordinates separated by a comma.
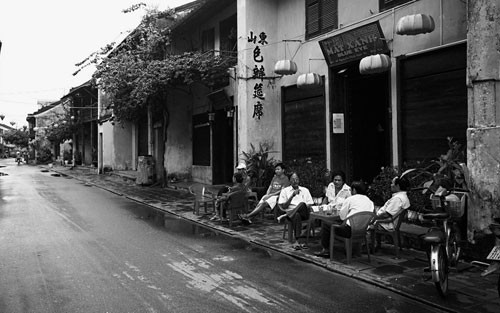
[(354, 44), (338, 123)]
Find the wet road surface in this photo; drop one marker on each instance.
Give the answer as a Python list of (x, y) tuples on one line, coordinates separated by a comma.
[(69, 247)]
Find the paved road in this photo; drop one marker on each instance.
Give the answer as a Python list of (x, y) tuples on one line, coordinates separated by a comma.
[(68, 247)]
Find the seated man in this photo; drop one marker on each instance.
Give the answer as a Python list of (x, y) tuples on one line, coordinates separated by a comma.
[(399, 201), (221, 202), (295, 202), (270, 199), (356, 203)]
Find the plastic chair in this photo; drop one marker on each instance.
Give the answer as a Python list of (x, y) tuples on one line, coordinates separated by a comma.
[(237, 203), (359, 224), (288, 229), (396, 220), (201, 196)]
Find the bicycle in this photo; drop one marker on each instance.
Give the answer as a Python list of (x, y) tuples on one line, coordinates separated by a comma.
[(444, 238)]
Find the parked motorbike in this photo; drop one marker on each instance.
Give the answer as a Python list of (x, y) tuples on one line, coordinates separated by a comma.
[(19, 160)]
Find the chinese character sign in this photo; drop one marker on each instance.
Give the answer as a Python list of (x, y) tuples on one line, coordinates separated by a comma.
[(258, 72)]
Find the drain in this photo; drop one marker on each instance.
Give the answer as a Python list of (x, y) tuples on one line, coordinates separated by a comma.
[(3, 174), (55, 175)]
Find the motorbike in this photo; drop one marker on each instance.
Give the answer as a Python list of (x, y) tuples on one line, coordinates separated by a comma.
[(19, 160)]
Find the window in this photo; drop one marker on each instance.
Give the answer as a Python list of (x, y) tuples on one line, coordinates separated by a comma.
[(389, 4), (207, 40), (321, 17), (228, 36)]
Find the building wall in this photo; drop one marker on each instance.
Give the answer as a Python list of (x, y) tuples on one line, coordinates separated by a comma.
[(285, 20), (178, 154)]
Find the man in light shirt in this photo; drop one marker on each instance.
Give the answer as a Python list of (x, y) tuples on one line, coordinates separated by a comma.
[(399, 201), (295, 203), (356, 203)]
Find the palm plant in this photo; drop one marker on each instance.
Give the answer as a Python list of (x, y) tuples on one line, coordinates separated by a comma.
[(260, 166)]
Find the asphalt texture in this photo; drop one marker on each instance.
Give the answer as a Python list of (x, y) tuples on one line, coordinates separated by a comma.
[(469, 292)]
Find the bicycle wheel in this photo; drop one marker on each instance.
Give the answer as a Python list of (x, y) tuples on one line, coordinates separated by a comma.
[(439, 269)]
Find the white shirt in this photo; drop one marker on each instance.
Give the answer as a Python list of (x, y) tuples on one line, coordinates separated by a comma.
[(398, 202), (303, 196), (355, 204), (336, 200)]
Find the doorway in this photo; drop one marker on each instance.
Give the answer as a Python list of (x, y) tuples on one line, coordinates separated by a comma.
[(364, 99)]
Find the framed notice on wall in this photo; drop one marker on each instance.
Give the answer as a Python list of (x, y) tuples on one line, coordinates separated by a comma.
[(338, 123)]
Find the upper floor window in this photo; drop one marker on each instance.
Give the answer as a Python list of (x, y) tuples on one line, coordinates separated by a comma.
[(208, 40), (321, 17), (228, 36), (389, 4)]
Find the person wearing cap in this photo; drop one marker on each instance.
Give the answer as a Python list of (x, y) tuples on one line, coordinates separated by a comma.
[(242, 168)]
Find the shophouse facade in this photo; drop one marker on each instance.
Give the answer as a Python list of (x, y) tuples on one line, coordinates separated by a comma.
[(354, 122)]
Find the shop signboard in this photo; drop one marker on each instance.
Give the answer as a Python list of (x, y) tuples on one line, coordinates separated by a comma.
[(354, 44)]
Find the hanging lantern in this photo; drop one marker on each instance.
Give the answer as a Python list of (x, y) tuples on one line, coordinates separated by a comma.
[(373, 64), (415, 24), (309, 80), (285, 67), (2, 116)]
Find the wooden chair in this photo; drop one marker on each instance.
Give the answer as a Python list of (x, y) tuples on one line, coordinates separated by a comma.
[(359, 224), (237, 203), (201, 196), (377, 231)]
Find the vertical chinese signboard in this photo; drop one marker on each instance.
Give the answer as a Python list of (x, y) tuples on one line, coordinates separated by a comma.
[(258, 72)]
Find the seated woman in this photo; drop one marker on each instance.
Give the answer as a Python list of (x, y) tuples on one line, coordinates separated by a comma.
[(269, 200), (337, 191)]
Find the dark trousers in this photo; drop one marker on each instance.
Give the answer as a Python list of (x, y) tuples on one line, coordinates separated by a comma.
[(343, 231), (302, 214)]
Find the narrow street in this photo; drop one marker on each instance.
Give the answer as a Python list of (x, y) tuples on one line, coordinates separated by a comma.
[(68, 247)]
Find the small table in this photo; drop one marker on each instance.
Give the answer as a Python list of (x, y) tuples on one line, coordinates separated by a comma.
[(329, 217)]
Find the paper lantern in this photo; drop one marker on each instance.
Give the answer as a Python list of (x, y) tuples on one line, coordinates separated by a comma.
[(285, 67), (415, 24), (309, 80), (373, 64)]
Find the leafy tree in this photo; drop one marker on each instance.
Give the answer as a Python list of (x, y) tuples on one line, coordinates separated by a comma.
[(18, 137), (139, 72)]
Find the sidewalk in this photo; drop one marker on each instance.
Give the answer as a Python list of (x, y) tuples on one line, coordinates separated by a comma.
[(468, 291)]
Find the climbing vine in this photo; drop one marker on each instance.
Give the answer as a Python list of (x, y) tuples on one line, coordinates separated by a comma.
[(140, 69)]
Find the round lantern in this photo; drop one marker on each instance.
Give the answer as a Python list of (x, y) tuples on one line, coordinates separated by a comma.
[(373, 64), (285, 67), (415, 24), (309, 80)]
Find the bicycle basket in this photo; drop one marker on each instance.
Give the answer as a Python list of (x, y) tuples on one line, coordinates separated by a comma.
[(455, 208)]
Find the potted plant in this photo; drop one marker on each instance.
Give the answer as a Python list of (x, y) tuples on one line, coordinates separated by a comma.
[(260, 167)]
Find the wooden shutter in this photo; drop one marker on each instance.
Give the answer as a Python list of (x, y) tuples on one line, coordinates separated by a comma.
[(304, 123), (433, 102), (321, 17), (312, 17)]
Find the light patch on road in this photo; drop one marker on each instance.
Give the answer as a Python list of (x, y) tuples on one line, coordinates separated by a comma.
[(228, 285), (132, 267), (223, 258), (128, 275)]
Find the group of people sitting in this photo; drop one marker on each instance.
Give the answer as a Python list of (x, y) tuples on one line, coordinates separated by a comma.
[(294, 202)]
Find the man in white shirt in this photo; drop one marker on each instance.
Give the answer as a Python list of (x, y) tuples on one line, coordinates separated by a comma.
[(399, 201), (356, 203), (295, 203)]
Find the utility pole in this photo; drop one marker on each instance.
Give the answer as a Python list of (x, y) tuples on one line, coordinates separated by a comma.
[(483, 133)]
